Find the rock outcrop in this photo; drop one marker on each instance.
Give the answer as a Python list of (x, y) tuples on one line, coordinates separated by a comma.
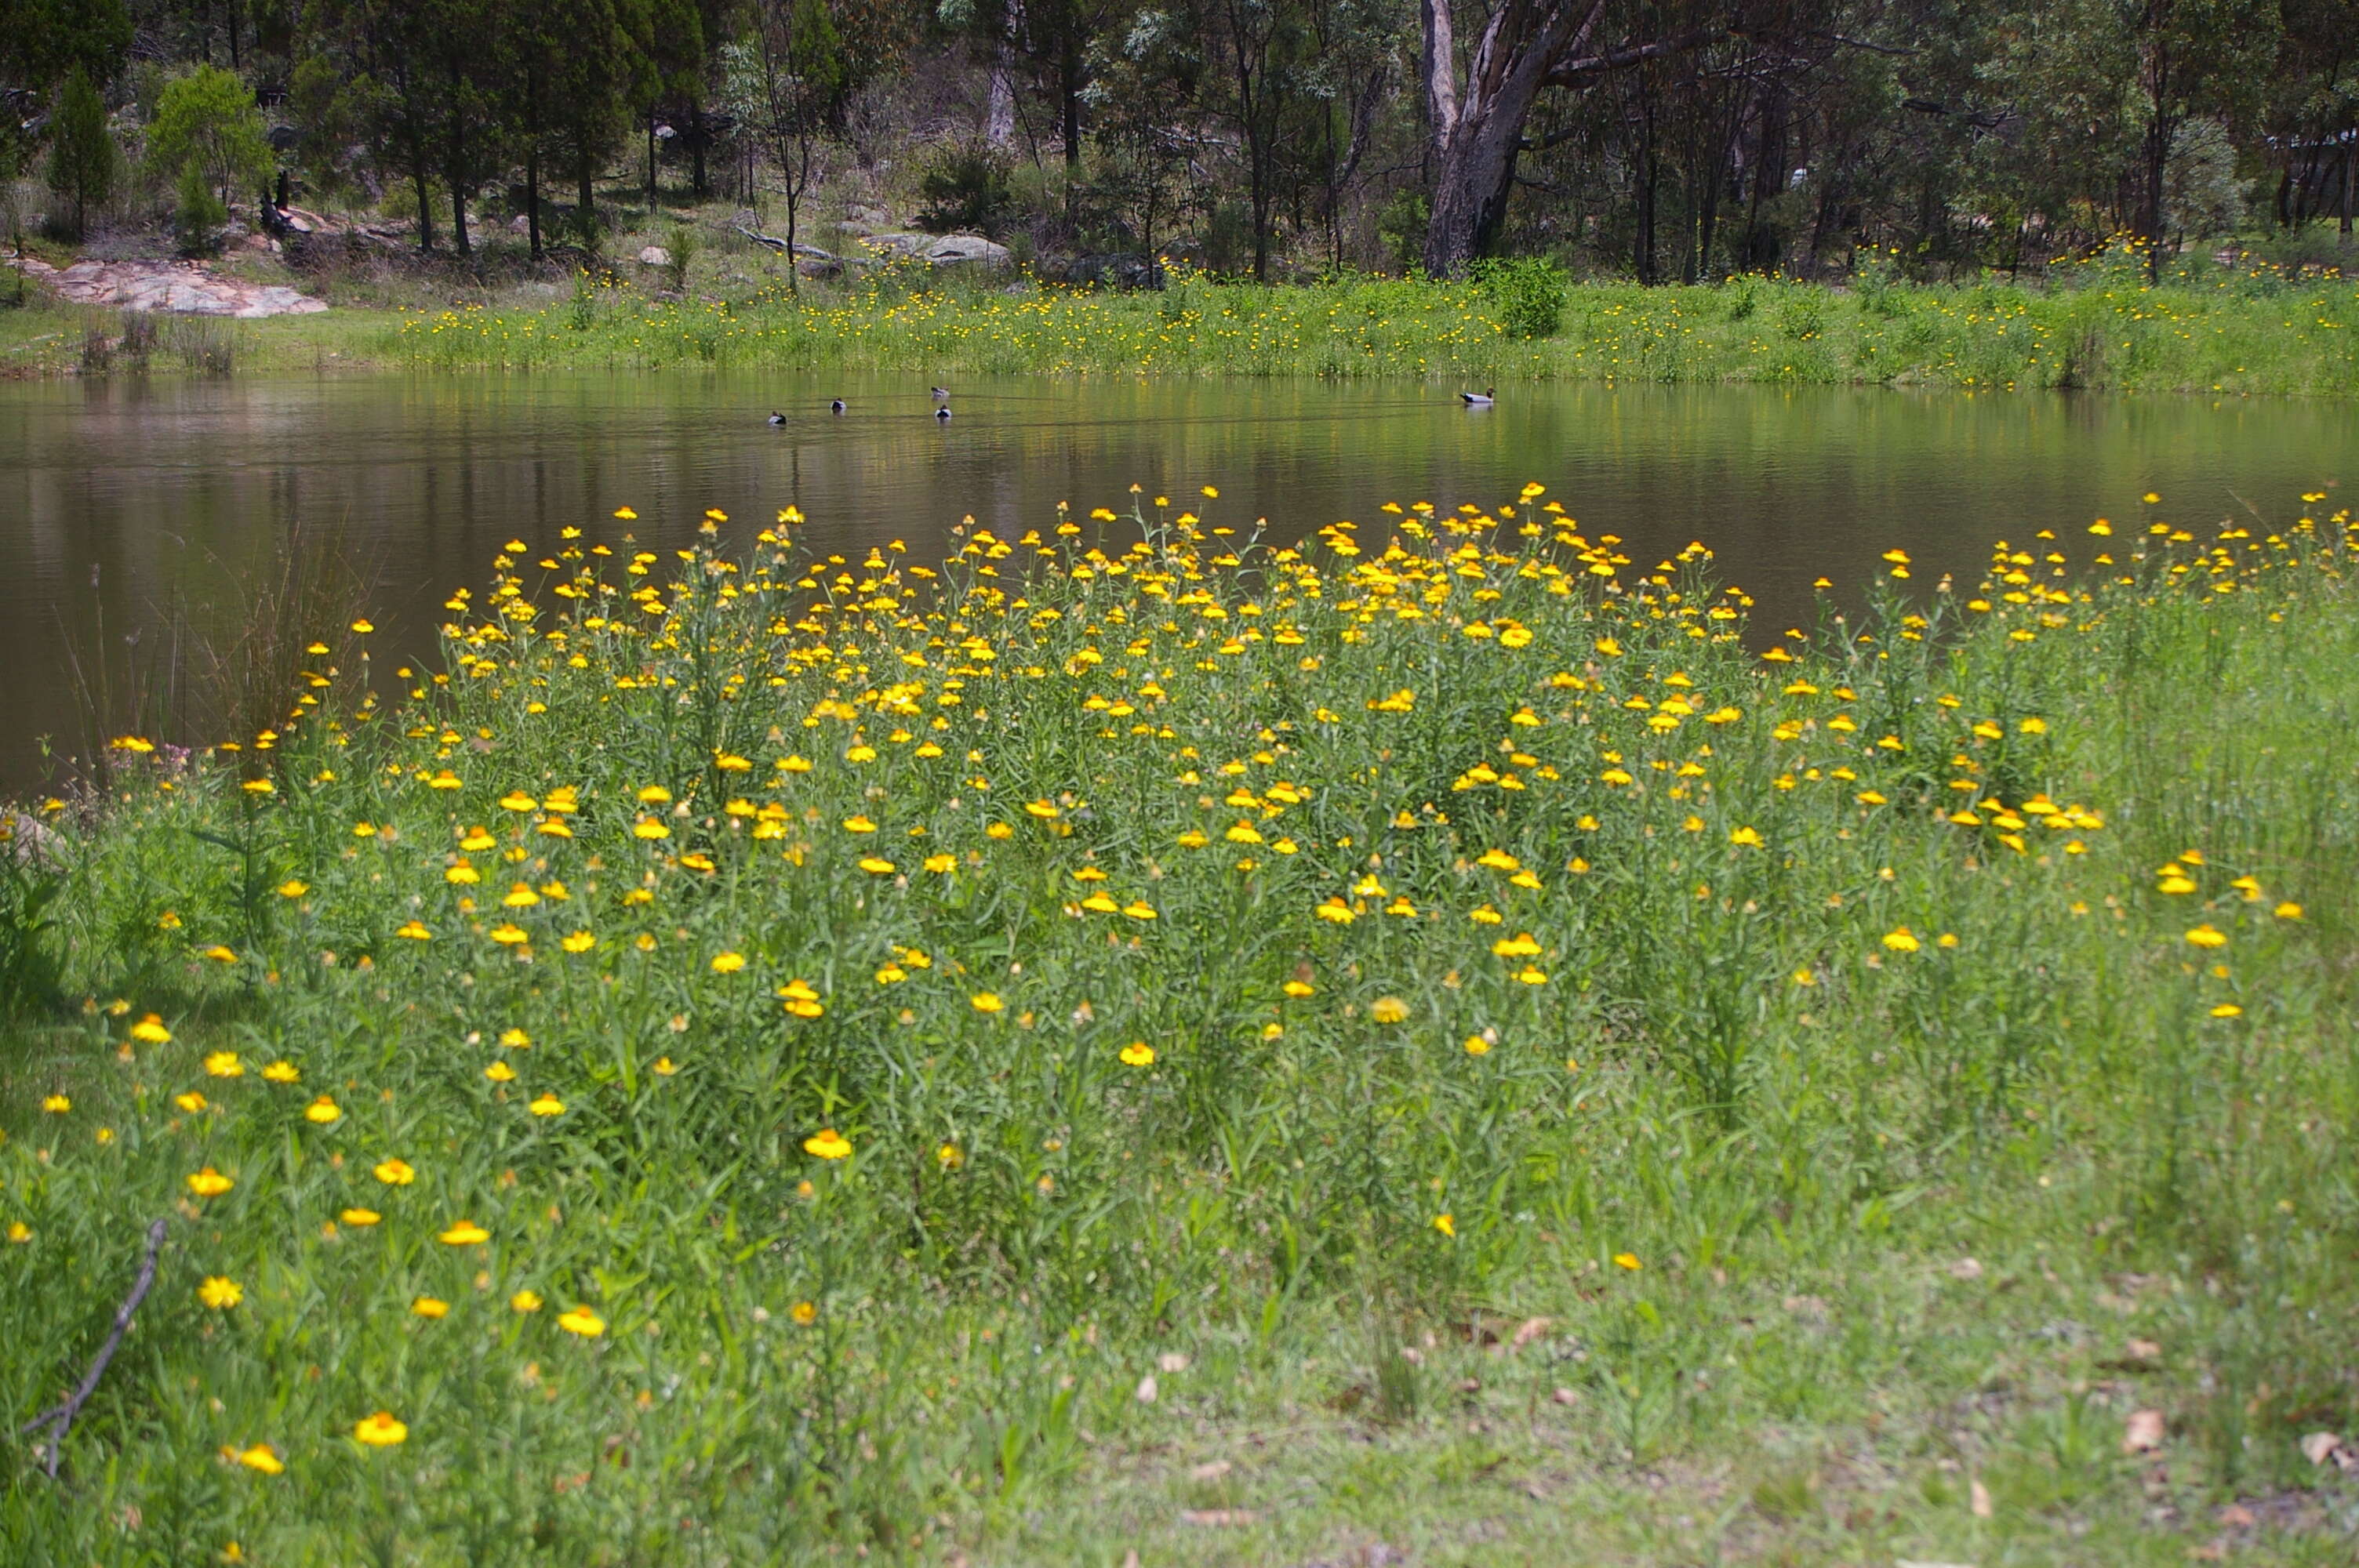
[(184, 288)]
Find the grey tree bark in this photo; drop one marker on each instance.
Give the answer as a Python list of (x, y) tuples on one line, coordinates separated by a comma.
[(1478, 121)]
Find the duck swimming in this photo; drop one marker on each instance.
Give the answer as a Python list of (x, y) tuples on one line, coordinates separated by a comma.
[(942, 414), (777, 418), (942, 394), (836, 406), (1477, 399)]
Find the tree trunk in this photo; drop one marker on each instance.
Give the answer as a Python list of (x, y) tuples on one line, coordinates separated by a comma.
[(1068, 88), (2350, 182), (999, 118), (1470, 198), (696, 148), (585, 197), (459, 218), (651, 160), (425, 207), (2156, 156), (795, 178), (1440, 66), (1483, 127), (532, 193), (1649, 176), (2161, 128)]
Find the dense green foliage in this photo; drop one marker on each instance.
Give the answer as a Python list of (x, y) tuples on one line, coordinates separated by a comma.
[(752, 1050), (83, 161), (207, 120), (2213, 330)]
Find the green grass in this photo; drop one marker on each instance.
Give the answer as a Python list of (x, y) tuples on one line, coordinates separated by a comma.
[(1765, 1110), (2204, 328)]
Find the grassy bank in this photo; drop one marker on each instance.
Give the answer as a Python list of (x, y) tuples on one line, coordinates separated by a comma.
[(2214, 331), (1232, 1053)]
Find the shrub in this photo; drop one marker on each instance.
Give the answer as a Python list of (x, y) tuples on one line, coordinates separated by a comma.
[(967, 191), (83, 162), (198, 218), (208, 119), (680, 244), (1527, 292)]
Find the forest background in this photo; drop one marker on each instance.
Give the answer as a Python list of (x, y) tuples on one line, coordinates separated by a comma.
[(1656, 142)]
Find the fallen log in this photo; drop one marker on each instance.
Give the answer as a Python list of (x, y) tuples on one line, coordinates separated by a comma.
[(811, 251)]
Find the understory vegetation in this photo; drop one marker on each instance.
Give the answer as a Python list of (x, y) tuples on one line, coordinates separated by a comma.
[(2239, 327), (1148, 1036), (2213, 330)]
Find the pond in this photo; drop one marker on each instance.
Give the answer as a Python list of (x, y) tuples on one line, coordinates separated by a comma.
[(131, 508)]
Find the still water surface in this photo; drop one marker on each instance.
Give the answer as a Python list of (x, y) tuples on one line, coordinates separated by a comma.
[(121, 502)]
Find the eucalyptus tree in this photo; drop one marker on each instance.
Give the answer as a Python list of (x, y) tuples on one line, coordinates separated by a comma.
[(1478, 99)]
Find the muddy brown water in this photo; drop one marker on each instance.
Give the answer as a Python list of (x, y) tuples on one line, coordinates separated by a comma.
[(128, 506)]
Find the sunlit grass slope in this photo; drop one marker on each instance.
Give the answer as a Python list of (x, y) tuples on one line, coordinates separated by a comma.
[(1146, 1037)]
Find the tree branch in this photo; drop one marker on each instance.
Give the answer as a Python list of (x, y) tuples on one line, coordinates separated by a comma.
[(60, 1417), (1850, 43), (1566, 72)]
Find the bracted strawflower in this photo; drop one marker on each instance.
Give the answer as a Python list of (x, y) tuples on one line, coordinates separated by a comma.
[(209, 1182), (1628, 1260), (1446, 1224), (261, 1458), (827, 1143), (525, 1301), (322, 1112), (1902, 940), (987, 1001), (151, 1031), (804, 1314), (547, 1105), (1388, 1010), (361, 1218), (1138, 1054), (394, 1173), (581, 1321), (2207, 935), (381, 1430), (220, 1293), (225, 1064), (466, 1233), (430, 1307)]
